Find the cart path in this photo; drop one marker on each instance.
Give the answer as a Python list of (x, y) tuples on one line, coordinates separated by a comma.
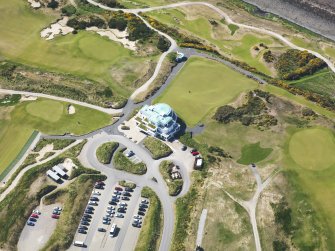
[(251, 205)]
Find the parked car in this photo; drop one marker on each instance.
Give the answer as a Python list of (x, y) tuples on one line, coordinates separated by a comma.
[(96, 193), (143, 205), (98, 187), (140, 213), (106, 218), (126, 194), (81, 231), (55, 216), (56, 212), (116, 197), (58, 208), (94, 199), (128, 189), (120, 215), (85, 223), (184, 148), (86, 219), (193, 150), (142, 209), (116, 192), (125, 198), (123, 204), (195, 153), (29, 223), (253, 165), (90, 208), (83, 227), (112, 203), (113, 230), (129, 154), (100, 183), (34, 215), (111, 207), (93, 203), (136, 225), (121, 210), (110, 211), (138, 221), (137, 217), (101, 229), (106, 222), (36, 212), (87, 215), (144, 201), (118, 188)]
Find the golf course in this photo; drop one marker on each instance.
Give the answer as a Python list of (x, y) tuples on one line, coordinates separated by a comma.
[(201, 86), (48, 116)]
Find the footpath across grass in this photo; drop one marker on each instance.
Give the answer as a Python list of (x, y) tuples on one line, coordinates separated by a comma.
[(106, 151), (121, 162), (157, 148), (150, 235)]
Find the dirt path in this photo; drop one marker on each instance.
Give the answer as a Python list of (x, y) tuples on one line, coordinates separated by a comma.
[(250, 205)]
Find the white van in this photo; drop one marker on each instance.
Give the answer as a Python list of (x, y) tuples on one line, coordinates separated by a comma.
[(79, 244), (113, 230)]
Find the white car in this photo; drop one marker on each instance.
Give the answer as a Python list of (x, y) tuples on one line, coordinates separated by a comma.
[(119, 215), (58, 208), (138, 221), (137, 217), (144, 201), (110, 211), (113, 230), (96, 193), (116, 197), (111, 207), (122, 204), (93, 203), (129, 154), (36, 211)]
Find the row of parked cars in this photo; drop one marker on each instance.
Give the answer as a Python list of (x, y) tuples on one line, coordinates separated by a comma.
[(33, 218), (142, 208), (89, 210)]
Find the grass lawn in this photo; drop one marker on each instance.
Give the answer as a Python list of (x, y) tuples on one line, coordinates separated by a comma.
[(17, 126), (253, 153), (121, 162), (85, 54), (309, 153), (201, 86), (313, 148)]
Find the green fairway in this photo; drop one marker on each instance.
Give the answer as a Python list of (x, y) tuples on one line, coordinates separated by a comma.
[(85, 54), (18, 124), (253, 153), (201, 86), (221, 35), (313, 148)]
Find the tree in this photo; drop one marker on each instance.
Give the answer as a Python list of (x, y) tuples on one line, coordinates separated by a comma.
[(69, 10), (163, 44), (118, 23), (53, 4)]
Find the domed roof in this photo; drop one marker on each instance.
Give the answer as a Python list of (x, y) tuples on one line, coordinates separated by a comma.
[(163, 109)]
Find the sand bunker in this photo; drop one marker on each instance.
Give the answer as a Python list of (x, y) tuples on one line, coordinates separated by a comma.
[(71, 109), (35, 4), (115, 35), (56, 29)]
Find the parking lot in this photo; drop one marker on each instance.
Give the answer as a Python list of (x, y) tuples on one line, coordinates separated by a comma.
[(33, 238), (110, 212)]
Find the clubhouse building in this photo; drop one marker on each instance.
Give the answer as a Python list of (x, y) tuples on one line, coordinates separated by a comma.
[(158, 120)]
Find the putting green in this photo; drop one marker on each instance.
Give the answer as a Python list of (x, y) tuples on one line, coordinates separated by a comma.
[(313, 148), (202, 85), (253, 153), (48, 110)]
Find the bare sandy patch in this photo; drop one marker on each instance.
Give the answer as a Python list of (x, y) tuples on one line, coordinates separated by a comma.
[(71, 109), (57, 28), (115, 35), (69, 165), (28, 98), (44, 150), (35, 4)]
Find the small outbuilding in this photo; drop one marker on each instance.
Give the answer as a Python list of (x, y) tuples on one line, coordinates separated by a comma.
[(59, 171), (53, 175)]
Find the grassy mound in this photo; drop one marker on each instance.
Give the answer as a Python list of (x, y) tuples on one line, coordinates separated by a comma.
[(157, 148), (105, 152), (253, 153), (174, 186), (121, 162), (151, 230)]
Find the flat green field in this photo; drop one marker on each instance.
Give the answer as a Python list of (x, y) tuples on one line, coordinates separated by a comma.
[(201, 86), (253, 153), (47, 116), (85, 54), (313, 148)]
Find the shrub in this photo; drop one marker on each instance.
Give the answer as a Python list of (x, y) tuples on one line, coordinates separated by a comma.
[(105, 152), (121, 162), (163, 44), (53, 4), (118, 23), (127, 184), (268, 57), (69, 10), (175, 186), (157, 148)]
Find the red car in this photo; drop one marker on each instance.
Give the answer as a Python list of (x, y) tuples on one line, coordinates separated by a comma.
[(195, 153), (100, 183), (34, 215), (118, 189), (55, 216)]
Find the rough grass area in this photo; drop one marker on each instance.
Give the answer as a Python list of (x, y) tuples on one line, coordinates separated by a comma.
[(127, 184), (175, 186), (105, 152), (18, 123), (201, 86), (150, 235), (157, 148), (121, 162), (58, 144), (74, 198), (253, 153)]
